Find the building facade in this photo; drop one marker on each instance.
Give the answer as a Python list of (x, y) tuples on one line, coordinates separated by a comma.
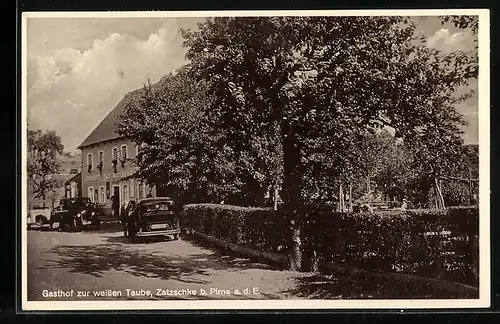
[(108, 164), (73, 186)]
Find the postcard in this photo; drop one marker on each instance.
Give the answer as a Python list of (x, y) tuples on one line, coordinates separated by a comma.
[(255, 160)]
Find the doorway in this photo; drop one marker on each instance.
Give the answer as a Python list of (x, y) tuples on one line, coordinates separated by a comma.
[(116, 201)]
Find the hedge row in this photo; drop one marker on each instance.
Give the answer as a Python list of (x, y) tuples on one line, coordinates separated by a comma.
[(259, 228), (441, 244)]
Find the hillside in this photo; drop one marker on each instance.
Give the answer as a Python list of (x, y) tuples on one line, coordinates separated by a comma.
[(69, 162)]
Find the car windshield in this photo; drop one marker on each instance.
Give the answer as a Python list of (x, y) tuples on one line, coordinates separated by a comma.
[(74, 203), (158, 206)]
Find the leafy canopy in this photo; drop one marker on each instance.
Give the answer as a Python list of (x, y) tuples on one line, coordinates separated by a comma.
[(43, 149), (321, 81)]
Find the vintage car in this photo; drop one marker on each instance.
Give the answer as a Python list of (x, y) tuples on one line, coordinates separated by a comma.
[(154, 217), (39, 215), (75, 214)]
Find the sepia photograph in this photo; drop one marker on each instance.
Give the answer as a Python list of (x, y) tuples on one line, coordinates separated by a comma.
[(255, 160)]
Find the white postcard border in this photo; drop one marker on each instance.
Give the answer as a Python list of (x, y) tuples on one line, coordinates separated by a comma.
[(484, 180)]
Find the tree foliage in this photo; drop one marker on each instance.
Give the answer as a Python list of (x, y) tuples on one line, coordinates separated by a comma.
[(43, 150), (321, 80), (182, 150), (463, 22)]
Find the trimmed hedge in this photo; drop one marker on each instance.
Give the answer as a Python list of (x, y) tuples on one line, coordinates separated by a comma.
[(441, 244), (259, 228)]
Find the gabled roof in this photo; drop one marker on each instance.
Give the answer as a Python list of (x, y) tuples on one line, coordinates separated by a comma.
[(106, 130)]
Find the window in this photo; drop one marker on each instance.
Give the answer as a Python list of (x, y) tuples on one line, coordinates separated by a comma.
[(141, 190), (102, 196), (108, 190), (90, 161), (91, 194), (125, 194), (101, 156), (132, 188), (115, 153), (124, 152), (163, 206), (139, 148)]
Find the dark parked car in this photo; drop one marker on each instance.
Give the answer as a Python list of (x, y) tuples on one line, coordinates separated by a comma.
[(75, 213), (154, 217)]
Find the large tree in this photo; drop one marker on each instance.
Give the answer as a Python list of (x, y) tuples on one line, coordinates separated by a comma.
[(318, 80), (42, 162), (184, 153)]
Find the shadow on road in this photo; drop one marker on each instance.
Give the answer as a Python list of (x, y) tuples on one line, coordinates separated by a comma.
[(95, 260), (365, 287), (226, 253), (136, 241)]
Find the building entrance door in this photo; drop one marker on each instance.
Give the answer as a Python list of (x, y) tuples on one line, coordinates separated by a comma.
[(116, 201)]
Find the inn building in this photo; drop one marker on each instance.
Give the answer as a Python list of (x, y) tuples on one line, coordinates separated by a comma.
[(108, 161)]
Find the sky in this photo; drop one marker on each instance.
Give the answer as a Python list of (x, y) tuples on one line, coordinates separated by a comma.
[(78, 69)]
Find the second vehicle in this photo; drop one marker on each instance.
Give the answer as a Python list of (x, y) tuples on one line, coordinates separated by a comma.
[(75, 214), (154, 217)]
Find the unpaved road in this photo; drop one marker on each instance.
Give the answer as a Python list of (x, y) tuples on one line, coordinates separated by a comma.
[(88, 265)]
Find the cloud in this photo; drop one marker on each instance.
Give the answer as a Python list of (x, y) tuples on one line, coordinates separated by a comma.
[(443, 40), (71, 91)]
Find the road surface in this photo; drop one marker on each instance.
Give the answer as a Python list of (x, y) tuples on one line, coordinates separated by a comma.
[(104, 265)]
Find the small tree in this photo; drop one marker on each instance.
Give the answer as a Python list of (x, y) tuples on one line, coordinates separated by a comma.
[(43, 149)]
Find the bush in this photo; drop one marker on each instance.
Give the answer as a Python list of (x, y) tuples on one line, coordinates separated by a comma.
[(435, 243), (259, 228), (441, 244)]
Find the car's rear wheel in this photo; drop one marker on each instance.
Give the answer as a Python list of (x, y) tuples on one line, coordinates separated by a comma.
[(176, 237)]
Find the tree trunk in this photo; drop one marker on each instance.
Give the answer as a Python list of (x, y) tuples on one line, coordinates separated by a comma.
[(292, 184), (275, 197), (350, 196), (341, 198), (439, 194)]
